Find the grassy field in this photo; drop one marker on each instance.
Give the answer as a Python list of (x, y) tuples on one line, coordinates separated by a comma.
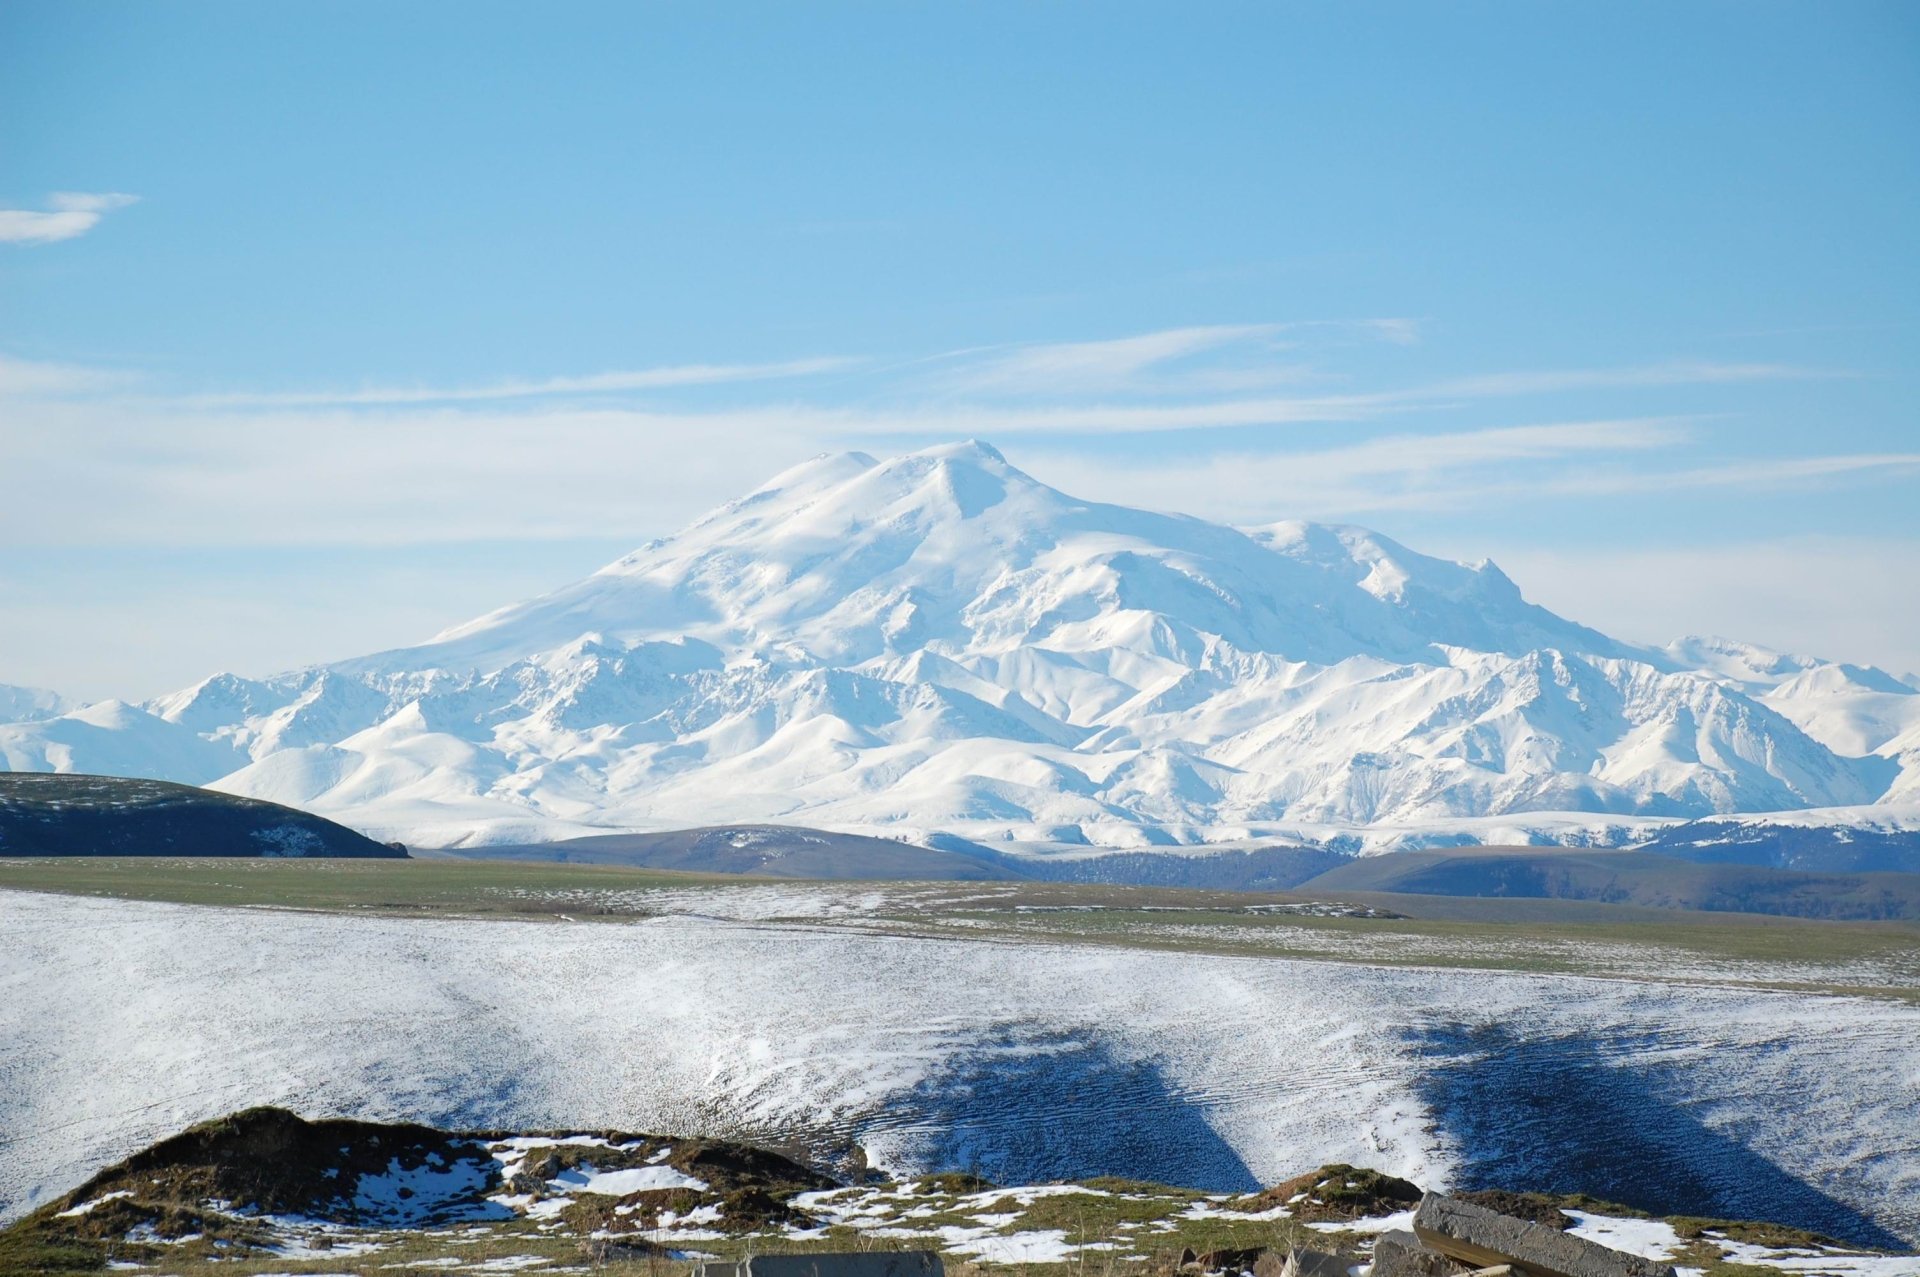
[(1878, 959), (409, 887)]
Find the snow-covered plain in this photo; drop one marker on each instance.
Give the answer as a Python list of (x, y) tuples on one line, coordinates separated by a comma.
[(122, 1021), (941, 642)]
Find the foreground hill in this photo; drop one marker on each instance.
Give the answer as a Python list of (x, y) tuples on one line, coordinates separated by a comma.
[(265, 1186), (941, 642), (1026, 1032), (68, 815)]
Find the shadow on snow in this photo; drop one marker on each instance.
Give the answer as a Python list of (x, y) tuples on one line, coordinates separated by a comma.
[(1554, 1115), (1026, 1111)]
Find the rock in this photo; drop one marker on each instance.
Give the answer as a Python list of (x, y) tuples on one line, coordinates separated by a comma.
[(1487, 1239), (601, 1251), (1301, 1262), (1400, 1254)]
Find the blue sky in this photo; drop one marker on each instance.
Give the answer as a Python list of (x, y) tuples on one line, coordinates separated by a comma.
[(324, 326)]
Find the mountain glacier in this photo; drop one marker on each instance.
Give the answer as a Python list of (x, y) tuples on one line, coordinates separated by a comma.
[(941, 642)]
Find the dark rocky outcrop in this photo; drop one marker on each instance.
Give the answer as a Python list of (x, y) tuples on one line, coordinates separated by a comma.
[(45, 814)]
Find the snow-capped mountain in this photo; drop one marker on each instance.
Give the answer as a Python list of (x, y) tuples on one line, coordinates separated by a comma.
[(940, 641), (25, 704)]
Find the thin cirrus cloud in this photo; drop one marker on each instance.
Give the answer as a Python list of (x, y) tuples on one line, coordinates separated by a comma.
[(1199, 357), (1116, 416), (451, 475), (68, 214), (665, 378), (1177, 379), (1770, 473), (501, 458), (1390, 472), (1678, 372), (1057, 367), (1468, 469), (29, 378)]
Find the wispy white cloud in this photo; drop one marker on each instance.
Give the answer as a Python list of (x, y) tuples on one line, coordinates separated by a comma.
[(1401, 332), (546, 458), (335, 476), (450, 474), (1679, 372), (1080, 366), (68, 214), (1143, 384), (1768, 473), (27, 377), (1201, 358), (1398, 471), (1122, 416), (598, 383), (971, 420), (1453, 471)]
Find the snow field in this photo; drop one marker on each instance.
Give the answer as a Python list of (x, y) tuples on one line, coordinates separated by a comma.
[(121, 1022)]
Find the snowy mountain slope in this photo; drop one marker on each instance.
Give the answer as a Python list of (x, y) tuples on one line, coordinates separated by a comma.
[(1855, 712), (112, 738), (940, 641), (25, 704), (1748, 666)]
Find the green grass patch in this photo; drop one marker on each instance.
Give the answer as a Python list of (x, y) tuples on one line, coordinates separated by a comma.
[(497, 888)]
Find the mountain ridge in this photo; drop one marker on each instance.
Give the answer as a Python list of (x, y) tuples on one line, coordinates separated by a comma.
[(939, 641)]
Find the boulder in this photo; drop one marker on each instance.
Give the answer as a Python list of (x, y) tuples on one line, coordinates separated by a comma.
[(1301, 1262), (1486, 1239)]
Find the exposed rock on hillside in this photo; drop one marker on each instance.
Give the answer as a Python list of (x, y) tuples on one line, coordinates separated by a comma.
[(69, 815)]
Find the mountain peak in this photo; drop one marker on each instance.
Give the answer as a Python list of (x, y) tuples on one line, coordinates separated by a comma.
[(966, 450), (845, 558), (822, 470)]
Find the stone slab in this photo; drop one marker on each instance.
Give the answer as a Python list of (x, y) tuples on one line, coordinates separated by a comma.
[(1487, 1239), (1301, 1262)]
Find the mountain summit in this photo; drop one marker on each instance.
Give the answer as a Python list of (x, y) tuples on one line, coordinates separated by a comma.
[(844, 559), (941, 641)]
